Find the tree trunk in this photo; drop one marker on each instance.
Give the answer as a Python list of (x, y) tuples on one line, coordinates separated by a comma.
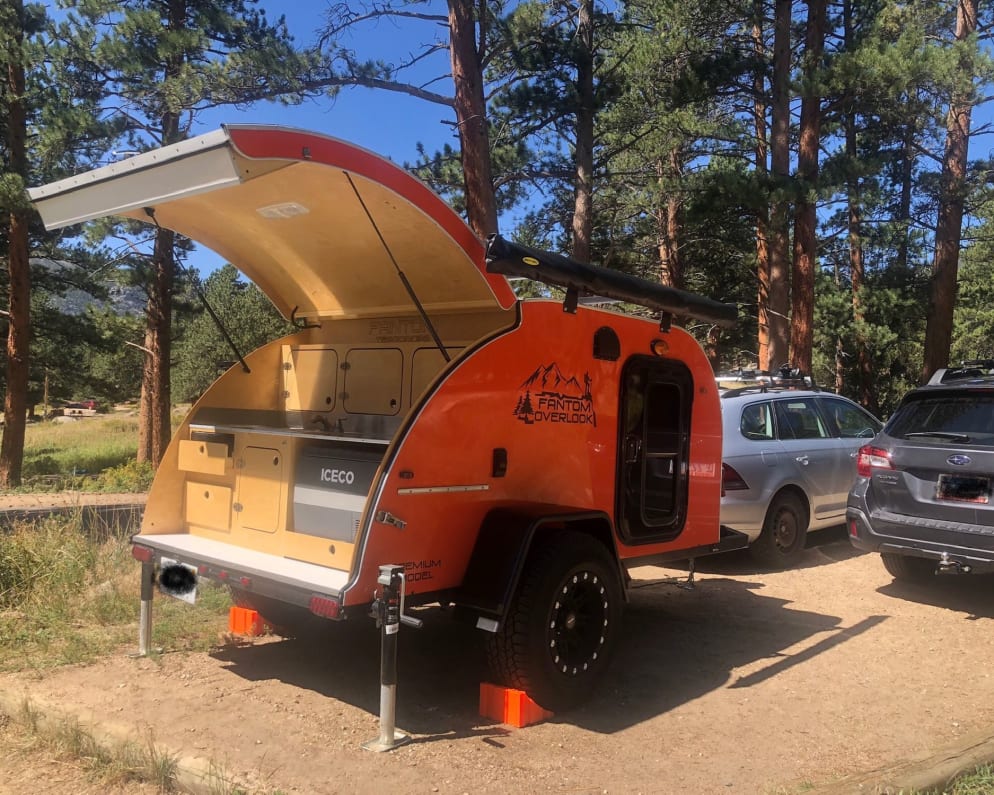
[(711, 347), (939, 326), (857, 269), (160, 311), (145, 414), (19, 268), (154, 410), (156, 404), (763, 211), (583, 208), (668, 221), (907, 187), (867, 395), (805, 214), (471, 116), (779, 289)]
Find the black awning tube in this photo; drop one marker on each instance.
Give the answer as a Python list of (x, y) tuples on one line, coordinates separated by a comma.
[(513, 259)]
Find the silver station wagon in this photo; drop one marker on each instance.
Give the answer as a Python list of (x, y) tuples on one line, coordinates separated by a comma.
[(788, 461)]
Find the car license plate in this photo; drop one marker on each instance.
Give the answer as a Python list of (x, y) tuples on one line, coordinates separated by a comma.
[(178, 580), (964, 488)]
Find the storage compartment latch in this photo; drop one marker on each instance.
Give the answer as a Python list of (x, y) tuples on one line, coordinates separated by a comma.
[(384, 517)]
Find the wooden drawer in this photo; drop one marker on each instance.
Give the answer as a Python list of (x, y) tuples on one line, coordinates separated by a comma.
[(208, 505), (205, 458)]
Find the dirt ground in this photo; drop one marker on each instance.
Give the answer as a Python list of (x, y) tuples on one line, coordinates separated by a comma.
[(750, 683)]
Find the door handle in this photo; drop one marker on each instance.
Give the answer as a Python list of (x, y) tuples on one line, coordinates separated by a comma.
[(802, 460)]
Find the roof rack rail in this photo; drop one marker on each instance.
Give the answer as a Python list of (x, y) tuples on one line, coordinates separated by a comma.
[(967, 370), (785, 377)]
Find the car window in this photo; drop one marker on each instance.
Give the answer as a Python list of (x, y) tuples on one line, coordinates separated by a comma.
[(967, 415), (799, 419), (757, 421), (851, 421)]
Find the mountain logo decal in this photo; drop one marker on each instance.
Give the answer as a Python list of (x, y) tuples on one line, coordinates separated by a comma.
[(548, 395)]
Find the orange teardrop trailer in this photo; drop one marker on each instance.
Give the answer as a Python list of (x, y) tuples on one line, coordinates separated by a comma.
[(507, 457)]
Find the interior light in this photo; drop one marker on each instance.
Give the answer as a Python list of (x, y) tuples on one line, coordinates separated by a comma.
[(282, 210)]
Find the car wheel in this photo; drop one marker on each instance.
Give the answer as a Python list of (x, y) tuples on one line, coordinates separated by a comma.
[(781, 543), (563, 626), (908, 569)]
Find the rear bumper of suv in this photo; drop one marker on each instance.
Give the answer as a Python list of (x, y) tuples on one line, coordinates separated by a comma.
[(946, 542)]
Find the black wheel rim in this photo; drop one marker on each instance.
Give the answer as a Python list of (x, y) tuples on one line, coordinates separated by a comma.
[(785, 531), (578, 623)]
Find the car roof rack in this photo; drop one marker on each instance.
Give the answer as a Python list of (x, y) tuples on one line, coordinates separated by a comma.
[(970, 370), (758, 381)]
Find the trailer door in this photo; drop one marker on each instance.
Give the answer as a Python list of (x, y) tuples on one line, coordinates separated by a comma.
[(655, 432)]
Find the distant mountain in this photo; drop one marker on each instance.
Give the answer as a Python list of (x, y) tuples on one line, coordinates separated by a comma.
[(121, 299)]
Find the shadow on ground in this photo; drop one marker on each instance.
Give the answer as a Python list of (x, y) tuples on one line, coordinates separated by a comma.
[(971, 594), (823, 548), (677, 645)]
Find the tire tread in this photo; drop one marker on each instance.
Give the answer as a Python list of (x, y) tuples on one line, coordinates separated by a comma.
[(509, 649)]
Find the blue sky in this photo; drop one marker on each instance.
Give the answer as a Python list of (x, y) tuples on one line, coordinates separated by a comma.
[(386, 122)]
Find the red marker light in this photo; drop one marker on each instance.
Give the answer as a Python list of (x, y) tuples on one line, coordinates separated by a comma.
[(144, 554), (325, 607)]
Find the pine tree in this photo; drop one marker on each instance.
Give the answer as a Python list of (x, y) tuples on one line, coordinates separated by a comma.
[(805, 216), (249, 319), (50, 128), (163, 62), (15, 27), (952, 200), (470, 27)]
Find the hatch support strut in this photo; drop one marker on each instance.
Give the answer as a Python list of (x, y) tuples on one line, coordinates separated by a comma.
[(402, 276)]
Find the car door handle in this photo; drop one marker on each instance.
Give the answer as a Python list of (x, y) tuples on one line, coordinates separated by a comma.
[(802, 460)]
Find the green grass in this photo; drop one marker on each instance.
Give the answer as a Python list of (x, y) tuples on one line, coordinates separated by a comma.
[(67, 598), (979, 782), (84, 454)]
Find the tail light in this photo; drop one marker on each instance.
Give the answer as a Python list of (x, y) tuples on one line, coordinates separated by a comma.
[(869, 458), (731, 480), (325, 606), (143, 554)]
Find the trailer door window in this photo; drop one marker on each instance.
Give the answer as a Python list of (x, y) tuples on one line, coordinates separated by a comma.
[(655, 432)]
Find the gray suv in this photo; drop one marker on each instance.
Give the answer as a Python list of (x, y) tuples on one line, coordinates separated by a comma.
[(922, 498), (788, 462)]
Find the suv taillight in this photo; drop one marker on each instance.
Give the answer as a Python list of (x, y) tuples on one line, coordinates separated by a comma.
[(869, 458), (731, 480)]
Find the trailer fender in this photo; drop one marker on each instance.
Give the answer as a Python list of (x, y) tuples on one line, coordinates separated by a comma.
[(503, 544)]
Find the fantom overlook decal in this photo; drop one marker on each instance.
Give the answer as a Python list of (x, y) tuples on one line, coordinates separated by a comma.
[(549, 396)]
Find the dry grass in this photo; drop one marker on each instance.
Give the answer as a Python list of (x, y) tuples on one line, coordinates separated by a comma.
[(66, 597), (104, 763)]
